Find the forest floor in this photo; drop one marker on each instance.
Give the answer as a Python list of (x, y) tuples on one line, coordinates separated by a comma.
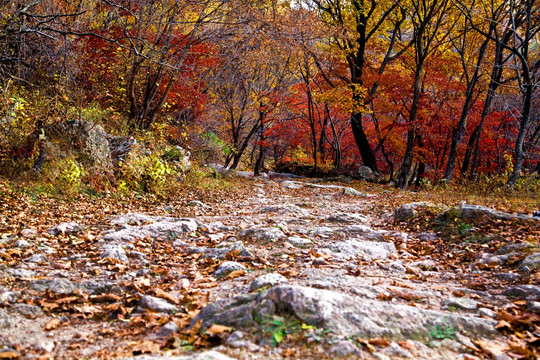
[(268, 269)]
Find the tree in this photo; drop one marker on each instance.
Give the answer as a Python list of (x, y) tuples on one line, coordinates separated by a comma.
[(356, 22)]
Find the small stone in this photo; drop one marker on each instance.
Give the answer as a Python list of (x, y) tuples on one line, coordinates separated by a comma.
[(271, 234), (235, 336), (29, 311), (58, 286), (487, 313), (114, 251), (426, 265), (227, 267), (9, 297), (348, 191), (534, 306), (199, 204), (157, 304), (299, 241), (322, 231), (396, 351), (268, 280), (509, 277), (410, 211), (21, 273), (29, 233), (292, 185), (462, 303), (37, 258), (285, 209), (344, 348), (65, 228), (348, 218), (523, 292), (168, 329), (366, 232), (395, 266), (530, 263), (21, 244)]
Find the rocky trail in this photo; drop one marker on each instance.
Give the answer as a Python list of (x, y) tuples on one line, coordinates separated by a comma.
[(286, 269)]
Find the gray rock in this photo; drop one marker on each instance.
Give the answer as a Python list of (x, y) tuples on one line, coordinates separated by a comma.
[(29, 311), (349, 191), (369, 250), (156, 304), (5, 320), (342, 314), (530, 263), (366, 232), (37, 258), (29, 233), (205, 355), (221, 251), (65, 228), (199, 204), (138, 219), (365, 172), (509, 277), (461, 303), (348, 218), (344, 348), (271, 234), (322, 231), (21, 273), (227, 267), (395, 351), (426, 265), (410, 211), (58, 286), (474, 212), (168, 329), (395, 266), (533, 306), (21, 244), (285, 209), (299, 241), (9, 297), (268, 280), (487, 313), (164, 230), (528, 292), (178, 243), (98, 287), (292, 185), (114, 251)]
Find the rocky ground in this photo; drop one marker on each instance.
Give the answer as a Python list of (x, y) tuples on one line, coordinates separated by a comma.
[(287, 269)]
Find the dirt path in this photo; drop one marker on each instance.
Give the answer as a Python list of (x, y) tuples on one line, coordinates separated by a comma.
[(289, 269)]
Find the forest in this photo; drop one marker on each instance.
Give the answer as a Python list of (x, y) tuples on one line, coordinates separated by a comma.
[(418, 91)]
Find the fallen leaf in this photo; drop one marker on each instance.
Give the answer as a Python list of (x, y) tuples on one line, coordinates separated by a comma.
[(234, 274), (379, 342), (216, 329), (146, 347), (51, 325), (8, 354), (490, 347)]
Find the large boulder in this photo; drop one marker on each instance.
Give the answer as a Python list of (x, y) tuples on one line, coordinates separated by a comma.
[(474, 212), (342, 314)]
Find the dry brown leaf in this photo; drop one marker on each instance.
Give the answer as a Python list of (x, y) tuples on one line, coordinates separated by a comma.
[(145, 347), (234, 274), (408, 345), (53, 324), (379, 342), (165, 295), (8, 354), (490, 347), (503, 324), (216, 329)]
